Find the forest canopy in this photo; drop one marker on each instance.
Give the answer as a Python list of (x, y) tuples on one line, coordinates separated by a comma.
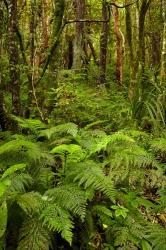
[(82, 124)]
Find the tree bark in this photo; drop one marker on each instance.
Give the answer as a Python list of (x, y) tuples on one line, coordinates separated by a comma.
[(139, 58), (2, 112), (79, 34), (119, 47), (163, 53), (14, 58), (103, 43), (57, 25)]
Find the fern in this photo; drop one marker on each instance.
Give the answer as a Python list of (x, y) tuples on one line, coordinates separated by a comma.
[(89, 174), (34, 236), (58, 219), (95, 141), (19, 182), (67, 128), (30, 202), (33, 125), (159, 146), (156, 234), (104, 214), (3, 218), (69, 197), (13, 169), (20, 151)]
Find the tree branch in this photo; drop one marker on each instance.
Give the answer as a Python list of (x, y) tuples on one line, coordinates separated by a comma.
[(123, 6), (86, 21)]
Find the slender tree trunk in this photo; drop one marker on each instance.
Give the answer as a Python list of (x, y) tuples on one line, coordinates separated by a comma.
[(14, 58), (119, 47), (45, 23), (163, 54), (139, 59), (58, 19), (103, 43), (2, 112), (79, 34)]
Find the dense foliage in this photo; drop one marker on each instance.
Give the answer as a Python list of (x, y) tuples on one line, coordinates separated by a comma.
[(82, 125)]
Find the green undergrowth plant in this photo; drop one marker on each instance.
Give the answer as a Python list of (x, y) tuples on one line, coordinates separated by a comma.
[(66, 187)]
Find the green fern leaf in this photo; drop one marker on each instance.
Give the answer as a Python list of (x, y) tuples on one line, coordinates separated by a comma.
[(67, 128), (33, 236), (13, 169), (3, 218), (69, 197), (58, 219)]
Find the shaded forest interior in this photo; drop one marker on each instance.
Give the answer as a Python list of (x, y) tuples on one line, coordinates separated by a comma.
[(82, 124)]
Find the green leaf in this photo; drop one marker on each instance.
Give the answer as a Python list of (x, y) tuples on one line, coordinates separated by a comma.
[(3, 218), (3, 186), (13, 169), (145, 245), (71, 148), (121, 212)]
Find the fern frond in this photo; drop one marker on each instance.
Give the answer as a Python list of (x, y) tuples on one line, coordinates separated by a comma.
[(13, 169), (3, 218), (64, 148), (90, 174), (159, 146), (30, 202), (67, 128), (33, 125), (34, 236), (19, 182), (19, 151), (69, 197), (58, 219), (73, 151), (103, 212), (156, 234), (130, 162), (95, 141)]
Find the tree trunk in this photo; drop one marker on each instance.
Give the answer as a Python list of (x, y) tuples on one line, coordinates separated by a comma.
[(58, 18), (139, 59), (119, 47), (79, 35), (2, 112), (103, 43), (14, 58), (163, 54)]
